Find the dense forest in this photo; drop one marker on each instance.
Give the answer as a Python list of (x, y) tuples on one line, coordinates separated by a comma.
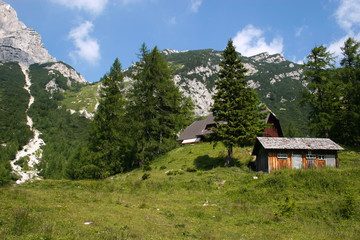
[(13, 128)]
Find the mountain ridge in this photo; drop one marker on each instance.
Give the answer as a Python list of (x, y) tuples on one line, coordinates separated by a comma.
[(19, 43)]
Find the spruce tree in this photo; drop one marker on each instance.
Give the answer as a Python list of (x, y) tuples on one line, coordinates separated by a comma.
[(157, 109), (321, 93), (350, 102), (108, 139), (237, 109)]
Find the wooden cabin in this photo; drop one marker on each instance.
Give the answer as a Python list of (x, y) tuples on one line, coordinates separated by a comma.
[(277, 153), (197, 131)]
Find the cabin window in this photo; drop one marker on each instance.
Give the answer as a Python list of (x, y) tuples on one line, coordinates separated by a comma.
[(322, 157), (310, 156), (282, 156)]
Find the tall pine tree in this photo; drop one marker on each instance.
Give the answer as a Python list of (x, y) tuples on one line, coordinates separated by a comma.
[(321, 93), (236, 105), (108, 137), (349, 117), (157, 109)]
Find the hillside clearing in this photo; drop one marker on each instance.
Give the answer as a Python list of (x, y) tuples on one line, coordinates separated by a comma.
[(188, 194)]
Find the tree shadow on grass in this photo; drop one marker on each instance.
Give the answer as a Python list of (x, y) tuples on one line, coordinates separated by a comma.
[(207, 163)]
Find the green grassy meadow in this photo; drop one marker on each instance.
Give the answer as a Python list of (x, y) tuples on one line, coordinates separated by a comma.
[(188, 194), (85, 99)]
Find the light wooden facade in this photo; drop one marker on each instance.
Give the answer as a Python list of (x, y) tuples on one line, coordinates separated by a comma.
[(299, 153)]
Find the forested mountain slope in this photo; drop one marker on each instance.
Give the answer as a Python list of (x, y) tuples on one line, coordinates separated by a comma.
[(61, 130), (277, 81)]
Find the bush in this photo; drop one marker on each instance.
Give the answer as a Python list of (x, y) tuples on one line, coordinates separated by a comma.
[(348, 205), (145, 176), (174, 172), (146, 166), (286, 209), (90, 171), (4, 175)]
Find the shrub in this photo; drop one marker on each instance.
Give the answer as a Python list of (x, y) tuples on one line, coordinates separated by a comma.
[(286, 209), (174, 172), (146, 166), (348, 205), (145, 176)]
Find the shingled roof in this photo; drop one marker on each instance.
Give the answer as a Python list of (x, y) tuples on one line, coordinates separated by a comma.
[(296, 143), (197, 129)]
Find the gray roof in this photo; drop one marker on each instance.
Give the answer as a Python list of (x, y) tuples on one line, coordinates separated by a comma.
[(298, 143), (197, 128)]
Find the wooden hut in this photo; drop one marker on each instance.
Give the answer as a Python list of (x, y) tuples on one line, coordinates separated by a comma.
[(277, 153), (197, 131)]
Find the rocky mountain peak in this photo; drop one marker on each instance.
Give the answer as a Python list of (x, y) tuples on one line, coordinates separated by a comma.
[(266, 57), (19, 43)]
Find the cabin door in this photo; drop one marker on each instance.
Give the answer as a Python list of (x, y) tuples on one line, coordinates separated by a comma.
[(297, 161), (330, 160)]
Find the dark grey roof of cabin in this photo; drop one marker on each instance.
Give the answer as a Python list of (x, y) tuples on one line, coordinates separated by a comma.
[(296, 143), (197, 128)]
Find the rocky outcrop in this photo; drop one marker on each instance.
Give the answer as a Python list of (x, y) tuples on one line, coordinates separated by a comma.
[(19, 43), (197, 91), (266, 57), (67, 72)]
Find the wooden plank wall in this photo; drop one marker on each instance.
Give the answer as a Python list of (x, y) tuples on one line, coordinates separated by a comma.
[(276, 164)]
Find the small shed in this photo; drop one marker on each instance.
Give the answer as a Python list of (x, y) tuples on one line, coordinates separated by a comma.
[(277, 153)]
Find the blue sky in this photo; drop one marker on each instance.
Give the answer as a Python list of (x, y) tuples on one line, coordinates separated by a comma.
[(90, 34)]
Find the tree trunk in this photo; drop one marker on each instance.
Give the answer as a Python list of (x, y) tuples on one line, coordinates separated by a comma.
[(228, 160)]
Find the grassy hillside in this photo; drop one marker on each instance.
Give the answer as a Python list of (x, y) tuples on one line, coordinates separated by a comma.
[(85, 98), (189, 195)]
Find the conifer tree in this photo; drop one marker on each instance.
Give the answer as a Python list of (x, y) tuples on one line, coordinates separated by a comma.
[(237, 109), (321, 93), (157, 109), (349, 118), (108, 139)]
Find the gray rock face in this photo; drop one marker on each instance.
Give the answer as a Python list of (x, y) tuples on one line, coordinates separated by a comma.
[(19, 43), (67, 72)]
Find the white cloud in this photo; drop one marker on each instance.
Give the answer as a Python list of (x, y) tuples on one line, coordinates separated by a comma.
[(250, 41), (92, 6), (299, 30), (195, 4), (295, 60), (348, 17), (335, 47), (348, 14), (87, 47)]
